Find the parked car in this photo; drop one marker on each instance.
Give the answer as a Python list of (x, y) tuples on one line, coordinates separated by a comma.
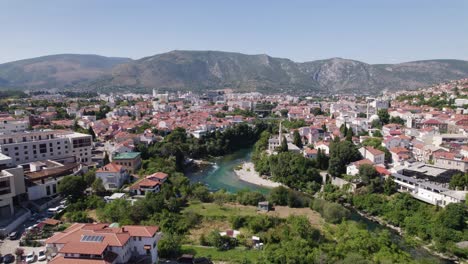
[(13, 235), (41, 255), (8, 258), (31, 257)]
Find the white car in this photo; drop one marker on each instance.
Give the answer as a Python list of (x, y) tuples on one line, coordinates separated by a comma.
[(31, 257), (41, 255)]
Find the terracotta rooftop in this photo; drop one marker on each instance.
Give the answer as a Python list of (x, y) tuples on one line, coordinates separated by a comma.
[(111, 167)]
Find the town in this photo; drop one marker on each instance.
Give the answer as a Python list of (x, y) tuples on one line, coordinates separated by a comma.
[(105, 178)]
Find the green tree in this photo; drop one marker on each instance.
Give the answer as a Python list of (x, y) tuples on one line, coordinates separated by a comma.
[(72, 186), (297, 139), (98, 186), (279, 196), (384, 117), (284, 145), (170, 246)]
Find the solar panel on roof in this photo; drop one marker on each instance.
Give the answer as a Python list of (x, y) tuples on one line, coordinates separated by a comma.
[(88, 238)]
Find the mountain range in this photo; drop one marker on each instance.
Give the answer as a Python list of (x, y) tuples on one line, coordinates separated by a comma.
[(207, 70)]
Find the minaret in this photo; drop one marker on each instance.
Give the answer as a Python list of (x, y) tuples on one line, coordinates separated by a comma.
[(280, 133)]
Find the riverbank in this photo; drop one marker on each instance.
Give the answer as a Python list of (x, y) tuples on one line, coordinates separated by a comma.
[(399, 231), (248, 174)]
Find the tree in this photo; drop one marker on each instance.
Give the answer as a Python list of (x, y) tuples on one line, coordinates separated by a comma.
[(72, 186), (349, 135), (169, 246), (105, 160), (284, 145), (341, 154), (389, 187), (459, 181), (91, 132), (201, 193), (98, 186), (367, 173), (279, 196), (297, 139), (384, 117)]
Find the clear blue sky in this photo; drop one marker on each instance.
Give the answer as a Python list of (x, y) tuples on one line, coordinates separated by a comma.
[(373, 31)]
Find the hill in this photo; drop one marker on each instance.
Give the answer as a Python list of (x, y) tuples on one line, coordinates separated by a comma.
[(203, 70), (56, 71)]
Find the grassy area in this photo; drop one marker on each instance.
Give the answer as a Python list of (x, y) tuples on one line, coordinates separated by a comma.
[(236, 255), (212, 210)]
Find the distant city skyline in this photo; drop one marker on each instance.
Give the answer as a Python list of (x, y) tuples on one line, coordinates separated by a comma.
[(365, 30)]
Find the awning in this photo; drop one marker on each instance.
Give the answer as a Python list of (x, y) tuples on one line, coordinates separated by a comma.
[(147, 247)]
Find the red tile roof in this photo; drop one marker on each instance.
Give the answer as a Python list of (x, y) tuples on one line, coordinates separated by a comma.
[(111, 167)]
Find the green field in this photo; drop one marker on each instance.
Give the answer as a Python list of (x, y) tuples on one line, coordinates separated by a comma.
[(212, 210), (236, 255)]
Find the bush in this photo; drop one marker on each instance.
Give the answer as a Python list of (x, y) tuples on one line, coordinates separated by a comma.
[(331, 212)]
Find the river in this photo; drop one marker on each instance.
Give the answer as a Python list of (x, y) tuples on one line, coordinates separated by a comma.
[(222, 176)]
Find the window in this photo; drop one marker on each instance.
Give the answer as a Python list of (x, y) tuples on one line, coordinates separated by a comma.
[(16, 148), (42, 148), (48, 190), (25, 147)]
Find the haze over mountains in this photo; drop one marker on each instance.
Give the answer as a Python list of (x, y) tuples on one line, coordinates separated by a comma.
[(204, 70)]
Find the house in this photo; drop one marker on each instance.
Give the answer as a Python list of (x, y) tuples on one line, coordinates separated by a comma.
[(151, 183), (450, 160), (145, 185), (353, 168), (101, 243), (310, 153), (374, 155), (400, 154), (129, 160), (112, 175), (324, 146)]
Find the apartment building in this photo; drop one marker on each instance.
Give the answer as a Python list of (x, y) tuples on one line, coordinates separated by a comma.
[(427, 183), (29, 146), (101, 243), (10, 124), (11, 188)]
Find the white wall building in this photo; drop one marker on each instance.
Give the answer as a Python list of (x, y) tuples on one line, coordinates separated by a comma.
[(32, 146)]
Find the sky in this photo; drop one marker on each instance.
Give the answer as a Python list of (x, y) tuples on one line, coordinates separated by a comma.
[(373, 31)]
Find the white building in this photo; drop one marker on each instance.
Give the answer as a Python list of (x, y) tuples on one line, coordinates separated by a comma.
[(9, 125), (427, 183), (32, 146), (11, 186), (113, 176), (44, 177)]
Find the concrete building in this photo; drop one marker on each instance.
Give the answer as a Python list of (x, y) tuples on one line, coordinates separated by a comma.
[(113, 176), (131, 161), (10, 124), (427, 183), (44, 176), (11, 188), (29, 146), (102, 243), (372, 154)]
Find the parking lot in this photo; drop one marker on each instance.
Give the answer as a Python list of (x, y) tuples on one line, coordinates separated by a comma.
[(9, 246)]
